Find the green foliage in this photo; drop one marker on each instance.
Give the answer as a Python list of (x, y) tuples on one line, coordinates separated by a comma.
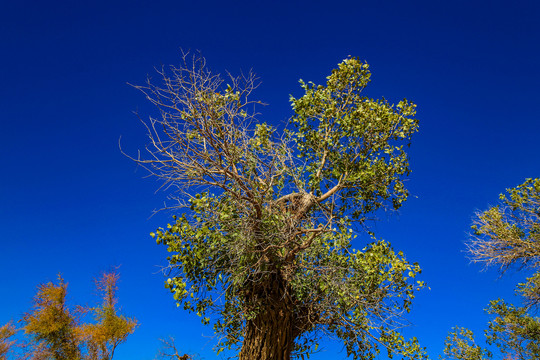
[(510, 233), (266, 221), (344, 136), (506, 235), (513, 330), (460, 345)]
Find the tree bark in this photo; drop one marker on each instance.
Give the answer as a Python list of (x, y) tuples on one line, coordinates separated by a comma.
[(269, 336)]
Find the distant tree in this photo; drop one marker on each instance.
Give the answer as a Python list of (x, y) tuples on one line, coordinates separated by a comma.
[(57, 331), (505, 235), (263, 234), (51, 324), (109, 329), (6, 343)]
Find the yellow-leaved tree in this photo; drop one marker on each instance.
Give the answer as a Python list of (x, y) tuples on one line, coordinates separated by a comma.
[(58, 332)]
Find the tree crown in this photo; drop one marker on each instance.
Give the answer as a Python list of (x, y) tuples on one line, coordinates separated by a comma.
[(266, 218)]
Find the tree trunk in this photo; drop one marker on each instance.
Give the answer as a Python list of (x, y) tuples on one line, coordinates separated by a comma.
[(269, 336)]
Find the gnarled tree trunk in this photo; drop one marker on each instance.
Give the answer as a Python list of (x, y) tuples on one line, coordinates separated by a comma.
[(270, 334)]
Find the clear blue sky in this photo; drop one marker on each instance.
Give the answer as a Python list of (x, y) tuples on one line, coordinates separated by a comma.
[(71, 203)]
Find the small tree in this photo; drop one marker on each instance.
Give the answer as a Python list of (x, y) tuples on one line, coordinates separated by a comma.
[(51, 324), (109, 329), (58, 333), (6, 344), (506, 235), (264, 227)]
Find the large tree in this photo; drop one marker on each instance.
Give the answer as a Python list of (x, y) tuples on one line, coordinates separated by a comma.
[(265, 218), (506, 235)]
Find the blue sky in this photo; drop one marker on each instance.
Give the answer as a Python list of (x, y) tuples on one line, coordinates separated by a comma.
[(70, 202)]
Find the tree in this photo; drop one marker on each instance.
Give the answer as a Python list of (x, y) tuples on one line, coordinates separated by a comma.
[(58, 333), (52, 325), (6, 345), (262, 237), (110, 329), (505, 235)]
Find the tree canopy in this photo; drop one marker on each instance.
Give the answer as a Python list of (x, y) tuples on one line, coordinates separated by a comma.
[(505, 235), (262, 239), (460, 345)]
